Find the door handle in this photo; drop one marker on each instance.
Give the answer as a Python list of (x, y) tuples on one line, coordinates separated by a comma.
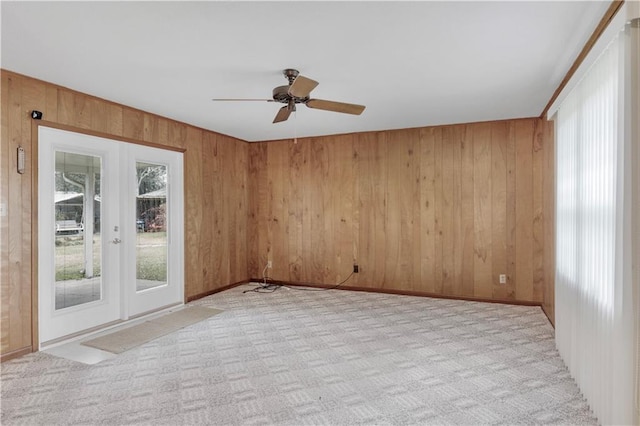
[(116, 241)]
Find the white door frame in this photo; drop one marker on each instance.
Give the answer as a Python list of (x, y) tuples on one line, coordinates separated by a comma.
[(118, 302)]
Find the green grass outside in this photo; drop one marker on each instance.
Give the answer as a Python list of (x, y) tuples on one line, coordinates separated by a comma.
[(151, 253)]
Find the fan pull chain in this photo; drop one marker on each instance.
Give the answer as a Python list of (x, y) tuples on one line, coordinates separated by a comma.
[(295, 127)]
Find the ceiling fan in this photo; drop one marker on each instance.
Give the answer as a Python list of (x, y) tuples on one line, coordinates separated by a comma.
[(297, 92)]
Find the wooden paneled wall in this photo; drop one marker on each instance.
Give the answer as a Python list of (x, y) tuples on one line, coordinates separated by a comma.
[(438, 210), (216, 196)]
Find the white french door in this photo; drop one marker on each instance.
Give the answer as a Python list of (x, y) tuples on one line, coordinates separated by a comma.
[(110, 221), (153, 255)]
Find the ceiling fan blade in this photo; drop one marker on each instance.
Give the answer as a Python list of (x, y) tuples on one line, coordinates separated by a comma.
[(282, 115), (302, 86), (251, 100), (335, 106)]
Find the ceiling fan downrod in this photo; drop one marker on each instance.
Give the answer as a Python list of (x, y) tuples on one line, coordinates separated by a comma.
[(290, 74)]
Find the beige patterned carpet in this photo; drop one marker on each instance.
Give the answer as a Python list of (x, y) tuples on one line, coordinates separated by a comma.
[(309, 357)]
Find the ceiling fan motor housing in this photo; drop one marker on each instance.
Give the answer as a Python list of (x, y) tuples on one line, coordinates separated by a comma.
[(281, 94)]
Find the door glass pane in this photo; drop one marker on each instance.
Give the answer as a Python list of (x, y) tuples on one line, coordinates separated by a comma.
[(78, 260), (151, 226)]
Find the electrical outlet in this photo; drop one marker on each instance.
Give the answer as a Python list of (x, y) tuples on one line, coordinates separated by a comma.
[(356, 268), (503, 279), (269, 264)]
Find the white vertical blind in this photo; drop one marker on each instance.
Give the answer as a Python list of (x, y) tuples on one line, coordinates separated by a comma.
[(634, 111), (594, 308)]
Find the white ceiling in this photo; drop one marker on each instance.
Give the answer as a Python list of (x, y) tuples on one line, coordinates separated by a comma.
[(411, 63)]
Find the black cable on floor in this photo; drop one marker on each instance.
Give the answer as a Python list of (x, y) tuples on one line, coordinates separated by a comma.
[(270, 288), (264, 287)]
